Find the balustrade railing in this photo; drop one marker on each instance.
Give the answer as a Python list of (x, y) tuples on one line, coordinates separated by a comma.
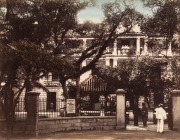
[(124, 50)]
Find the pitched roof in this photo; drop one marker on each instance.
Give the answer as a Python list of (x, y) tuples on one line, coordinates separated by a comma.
[(93, 83)]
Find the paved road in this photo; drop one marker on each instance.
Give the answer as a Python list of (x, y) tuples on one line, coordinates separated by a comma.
[(105, 135)]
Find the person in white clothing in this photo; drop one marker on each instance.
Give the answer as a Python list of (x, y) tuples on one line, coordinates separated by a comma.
[(160, 116)]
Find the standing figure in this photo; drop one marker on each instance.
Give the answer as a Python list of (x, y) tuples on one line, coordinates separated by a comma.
[(144, 113), (160, 116)]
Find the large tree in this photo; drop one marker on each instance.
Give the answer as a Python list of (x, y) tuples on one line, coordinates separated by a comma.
[(59, 20), (37, 40), (165, 21), (25, 56), (117, 21), (137, 76)]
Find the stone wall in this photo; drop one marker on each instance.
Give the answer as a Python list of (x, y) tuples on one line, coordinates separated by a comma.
[(76, 123), (35, 125), (51, 125), (19, 127)]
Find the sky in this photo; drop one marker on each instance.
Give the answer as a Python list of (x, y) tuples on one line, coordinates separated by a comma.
[(95, 14)]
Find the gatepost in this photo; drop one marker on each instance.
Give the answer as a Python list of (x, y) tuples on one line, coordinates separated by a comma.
[(120, 109), (176, 109), (32, 113)]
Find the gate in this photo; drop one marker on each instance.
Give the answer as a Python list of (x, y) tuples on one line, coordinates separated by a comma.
[(134, 118)]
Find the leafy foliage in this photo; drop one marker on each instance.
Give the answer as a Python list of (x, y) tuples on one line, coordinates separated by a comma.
[(37, 38), (164, 21), (132, 74), (27, 48)]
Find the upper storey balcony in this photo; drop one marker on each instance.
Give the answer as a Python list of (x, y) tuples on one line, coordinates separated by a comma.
[(132, 44), (128, 46), (123, 46), (136, 46)]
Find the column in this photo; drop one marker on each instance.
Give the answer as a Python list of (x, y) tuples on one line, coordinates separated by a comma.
[(84, 43), (120, 109), (119, 47), (32, 113), (176, 109), (115, 48), (138, 46), (107, 61)]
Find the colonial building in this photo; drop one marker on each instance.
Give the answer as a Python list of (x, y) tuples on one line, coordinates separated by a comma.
[(132, 44)]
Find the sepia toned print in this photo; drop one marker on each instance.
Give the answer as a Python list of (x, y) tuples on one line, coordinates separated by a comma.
[(89, 69)]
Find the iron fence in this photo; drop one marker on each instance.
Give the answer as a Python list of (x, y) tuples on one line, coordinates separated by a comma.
[(20, 112), (51, 109), (46, 109), (103, 106)]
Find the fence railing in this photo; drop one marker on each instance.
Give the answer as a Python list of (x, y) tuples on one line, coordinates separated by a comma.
[(48, 109), (57, 108), (97, 113), (20, 112)]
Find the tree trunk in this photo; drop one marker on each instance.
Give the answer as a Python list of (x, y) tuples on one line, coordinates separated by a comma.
[(9, 110), (78, 88), (64, 87), (9, 104), (78, 98), (28, 88)]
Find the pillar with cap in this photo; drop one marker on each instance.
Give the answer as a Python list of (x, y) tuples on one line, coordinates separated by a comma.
[(176, 109), (120, 109)]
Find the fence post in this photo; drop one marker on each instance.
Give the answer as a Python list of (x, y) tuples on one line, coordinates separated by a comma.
[(176, 109), (32, 113), (120, 109)]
